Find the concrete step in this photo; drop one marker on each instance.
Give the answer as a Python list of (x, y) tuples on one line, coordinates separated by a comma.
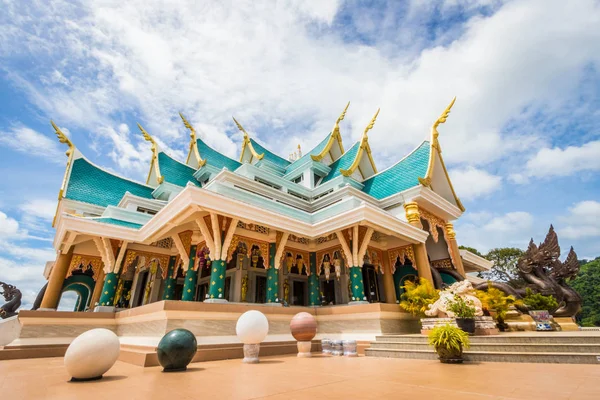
[(534, 337), (493, 346), (488, 356)]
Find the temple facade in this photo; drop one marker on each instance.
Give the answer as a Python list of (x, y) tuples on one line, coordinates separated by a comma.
[(323, 228)]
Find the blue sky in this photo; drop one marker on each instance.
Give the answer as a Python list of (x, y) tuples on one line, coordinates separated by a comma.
[(522, 142)]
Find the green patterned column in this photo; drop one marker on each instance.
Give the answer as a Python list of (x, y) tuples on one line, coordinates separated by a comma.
[(191, 278), (356, 283), (313, 282), (217, 279), (107, 298), (169, 291), (272, 276)]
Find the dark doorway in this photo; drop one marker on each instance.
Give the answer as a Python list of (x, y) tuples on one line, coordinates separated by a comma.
[(261, 289), (201, 292), (178, 291), (227, 288), (371, 284), (329, 291), (141, 288), (298, 298)]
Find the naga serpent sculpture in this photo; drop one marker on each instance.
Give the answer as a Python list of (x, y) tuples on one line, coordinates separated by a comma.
[(541, 268), (13, 297)]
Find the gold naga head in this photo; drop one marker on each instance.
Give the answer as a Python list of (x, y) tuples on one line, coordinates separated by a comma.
[(440, 120)]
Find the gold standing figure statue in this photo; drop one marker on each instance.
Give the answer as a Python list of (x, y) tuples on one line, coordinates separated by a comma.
[(244, 287)]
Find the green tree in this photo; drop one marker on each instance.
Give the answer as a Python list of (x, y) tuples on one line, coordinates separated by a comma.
[(505, 266), (472, 250), (587, 284)]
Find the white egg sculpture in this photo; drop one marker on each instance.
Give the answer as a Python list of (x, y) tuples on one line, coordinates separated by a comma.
[(252, 328), (92, 354)]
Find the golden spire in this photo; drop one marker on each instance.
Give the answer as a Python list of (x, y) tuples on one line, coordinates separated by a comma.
[(336, 127), (241, 128), (189, 126), (63, 138), (434, 132), (364, 148), (154, 162), (247, 143), (370, 126), (335, 135)]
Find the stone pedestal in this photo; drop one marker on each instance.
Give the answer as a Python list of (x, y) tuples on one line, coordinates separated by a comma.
[(326, 346), (304, 349), (483, 325), (251, 353), (566, 324), (337, 348), (221, 301)]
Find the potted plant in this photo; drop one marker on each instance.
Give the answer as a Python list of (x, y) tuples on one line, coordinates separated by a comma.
[(464, 313), (499, 302), (540, 307), (449, 342), (418, 296)]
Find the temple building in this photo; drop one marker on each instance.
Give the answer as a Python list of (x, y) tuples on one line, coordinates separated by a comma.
[(321, 228)]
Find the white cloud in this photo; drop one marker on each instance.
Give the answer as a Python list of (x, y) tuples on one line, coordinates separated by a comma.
[(484, 230), (9, 227), (269, 64), (26, 140), (583, 221), (471, 182), (561, 162), (40, 208), (514, 222)]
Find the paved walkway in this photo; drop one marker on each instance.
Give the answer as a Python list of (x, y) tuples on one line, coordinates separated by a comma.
[(289, 377)]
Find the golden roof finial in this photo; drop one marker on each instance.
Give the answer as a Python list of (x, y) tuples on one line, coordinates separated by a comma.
[(371, 124), (336, 127), (189, 126), (241, 128), (148, 138), (440, 120), (63, 138)]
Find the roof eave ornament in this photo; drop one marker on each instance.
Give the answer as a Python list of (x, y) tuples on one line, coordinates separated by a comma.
[(435, 144), (193, 143), (335, 135), (247, 143), (154, 162), (62, 138), (364, 147)]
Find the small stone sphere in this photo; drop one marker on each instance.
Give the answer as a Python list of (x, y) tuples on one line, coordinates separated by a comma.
[(303, 327), (252, 327), (91, 354), (176, 350)]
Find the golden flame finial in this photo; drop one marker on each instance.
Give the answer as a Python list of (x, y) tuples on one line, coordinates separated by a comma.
[(189, 126), (241, 128), (336, 127), (148, 137), (440, 120), (62, 138), (371, 124)]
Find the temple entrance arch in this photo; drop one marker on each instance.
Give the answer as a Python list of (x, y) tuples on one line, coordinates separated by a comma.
[(83, 286)]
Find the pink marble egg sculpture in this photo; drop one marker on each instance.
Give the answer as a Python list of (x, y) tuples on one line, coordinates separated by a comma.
[(303, 327)]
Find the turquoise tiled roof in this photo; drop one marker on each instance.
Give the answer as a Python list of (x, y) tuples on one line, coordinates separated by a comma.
[(344, 162), (318, 148), (113, 221), (269, 156), (90, 184), (215, 158), (175, 172), (400, 176)]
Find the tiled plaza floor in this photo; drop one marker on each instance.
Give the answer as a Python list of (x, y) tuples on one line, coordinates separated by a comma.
[(289, 377)]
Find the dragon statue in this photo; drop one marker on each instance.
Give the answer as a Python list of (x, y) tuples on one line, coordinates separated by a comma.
[(13, 297), (541, 268)]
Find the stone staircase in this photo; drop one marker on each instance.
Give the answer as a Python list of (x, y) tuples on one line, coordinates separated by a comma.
[(535, 347)]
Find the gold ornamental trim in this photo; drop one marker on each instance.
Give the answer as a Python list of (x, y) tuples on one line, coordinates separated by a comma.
[(249, 242), (148, 257), (444, 263), (403, 253), (82, 260), (296, 255)]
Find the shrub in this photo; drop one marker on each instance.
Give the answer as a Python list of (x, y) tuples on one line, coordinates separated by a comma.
[(537, 301), (497, 300), (448, 337), (418, 296), (461, 308)]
